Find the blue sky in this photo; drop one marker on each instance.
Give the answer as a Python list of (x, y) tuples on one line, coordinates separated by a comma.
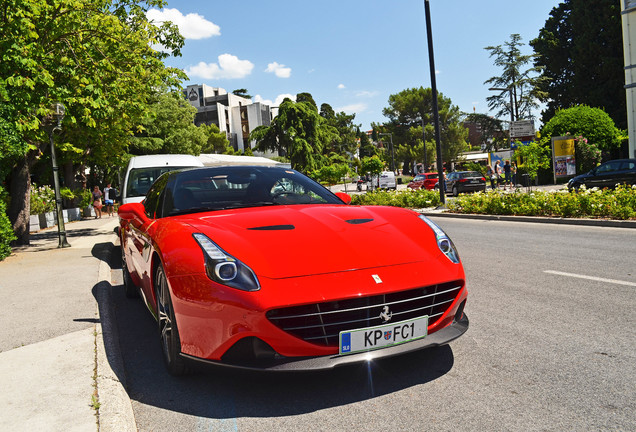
[(351, 54)]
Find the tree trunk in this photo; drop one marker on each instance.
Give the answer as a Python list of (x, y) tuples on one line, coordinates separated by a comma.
[(20, 207)]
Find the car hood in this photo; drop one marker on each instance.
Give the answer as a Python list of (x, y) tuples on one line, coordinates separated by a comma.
[(292, 241)]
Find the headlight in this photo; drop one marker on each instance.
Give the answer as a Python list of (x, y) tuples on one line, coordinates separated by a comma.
[(444, 243), (224, 268)]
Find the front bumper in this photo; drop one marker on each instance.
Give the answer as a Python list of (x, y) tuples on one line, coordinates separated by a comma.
[(440, 337)]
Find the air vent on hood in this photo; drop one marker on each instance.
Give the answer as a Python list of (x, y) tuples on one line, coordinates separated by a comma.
[(358, 221), (273, 228)]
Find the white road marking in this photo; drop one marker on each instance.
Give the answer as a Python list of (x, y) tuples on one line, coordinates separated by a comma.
[(598, 279)]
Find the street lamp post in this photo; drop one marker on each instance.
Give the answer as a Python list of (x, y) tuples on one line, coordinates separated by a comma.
[(392, 154), (438, 138), (53, 124)]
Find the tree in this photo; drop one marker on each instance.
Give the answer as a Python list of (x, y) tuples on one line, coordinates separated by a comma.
[(580, 49), (413, 107), (592, 123), (168, 127), (217, 141), (343, 135), (491, 130), (534, 157), (242, 93), (522, 82), (295, 133), (94, 56)]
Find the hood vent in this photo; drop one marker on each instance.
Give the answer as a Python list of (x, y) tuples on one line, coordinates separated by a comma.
[(273, 228), (358, 221)]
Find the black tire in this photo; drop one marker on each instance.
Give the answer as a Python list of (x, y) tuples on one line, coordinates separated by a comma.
[(168, 331), (130, 288), (455, 191)]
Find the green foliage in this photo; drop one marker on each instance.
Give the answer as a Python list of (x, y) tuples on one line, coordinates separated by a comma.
[(412, 107), (6, 230), (619, 203), (295, 132), (588, 155), (334, 171), (83, 197), (580, 49), (372, 165), (405, 198), (592, 123), (42, 199), (168, 127), (492, 133), (94, 56), (523, 82), (534, 157), (217, 141)]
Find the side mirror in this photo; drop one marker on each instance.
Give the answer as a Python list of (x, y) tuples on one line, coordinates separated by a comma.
[(345, 197), (131, 212)]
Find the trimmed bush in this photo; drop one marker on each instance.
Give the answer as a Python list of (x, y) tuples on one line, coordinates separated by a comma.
[(405, 198), (6, 231), (619, 203)]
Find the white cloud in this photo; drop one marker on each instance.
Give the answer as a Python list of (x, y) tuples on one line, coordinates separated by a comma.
[(341, 86), (229, 67), (191, 26), (279, 69), (352, 109)]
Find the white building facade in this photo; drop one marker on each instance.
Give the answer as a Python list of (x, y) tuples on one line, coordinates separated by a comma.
[(628, 11), (234, 115)]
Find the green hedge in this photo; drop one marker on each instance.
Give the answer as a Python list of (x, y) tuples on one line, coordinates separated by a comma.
[(593, 203), (6, 231), (404, 198)]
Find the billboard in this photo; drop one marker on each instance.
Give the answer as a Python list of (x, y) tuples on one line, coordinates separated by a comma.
[(563, 159)]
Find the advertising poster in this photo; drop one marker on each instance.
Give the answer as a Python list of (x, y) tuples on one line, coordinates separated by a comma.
[(563, 160)]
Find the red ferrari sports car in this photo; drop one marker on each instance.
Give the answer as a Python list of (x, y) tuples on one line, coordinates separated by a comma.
[(261, 267)]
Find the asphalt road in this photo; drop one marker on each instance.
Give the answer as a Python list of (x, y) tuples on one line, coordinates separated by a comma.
[(550, 348)]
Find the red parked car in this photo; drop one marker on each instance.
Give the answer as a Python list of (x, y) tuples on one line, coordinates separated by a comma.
[(261, 267), (424, 180)]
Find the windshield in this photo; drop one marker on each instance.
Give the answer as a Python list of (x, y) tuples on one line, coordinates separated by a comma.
[(140, 179), (236, 187)]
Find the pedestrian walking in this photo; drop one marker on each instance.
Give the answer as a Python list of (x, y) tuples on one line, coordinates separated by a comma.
[(513, 169), (97, 202), (109, 198), (498, 172), (507, 175), (490, 173)]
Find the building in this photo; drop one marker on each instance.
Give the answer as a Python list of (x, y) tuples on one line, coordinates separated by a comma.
[(628, 14), (234, 115)]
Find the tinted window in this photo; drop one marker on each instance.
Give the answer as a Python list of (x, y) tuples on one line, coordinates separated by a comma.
[(608, 167), (140, 179), (154, 197), (221, 188)]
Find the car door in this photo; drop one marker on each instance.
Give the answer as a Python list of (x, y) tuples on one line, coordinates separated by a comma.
[(605, 175), (628, 172)]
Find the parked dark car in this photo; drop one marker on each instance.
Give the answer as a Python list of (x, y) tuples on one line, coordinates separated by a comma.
[(464, 181), (607, 175)]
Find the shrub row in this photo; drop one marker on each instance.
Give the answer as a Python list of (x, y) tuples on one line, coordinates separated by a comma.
[(405, 198), (592, 203)]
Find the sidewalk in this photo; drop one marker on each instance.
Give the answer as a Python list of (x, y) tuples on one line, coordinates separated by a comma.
[(59, 360)]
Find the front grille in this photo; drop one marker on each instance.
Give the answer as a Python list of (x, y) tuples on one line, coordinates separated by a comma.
[(321, 323)]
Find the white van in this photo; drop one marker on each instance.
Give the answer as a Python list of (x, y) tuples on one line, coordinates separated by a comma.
[(142, 171), (387, 180)]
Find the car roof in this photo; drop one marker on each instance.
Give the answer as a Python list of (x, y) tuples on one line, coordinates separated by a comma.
[(161, 160)]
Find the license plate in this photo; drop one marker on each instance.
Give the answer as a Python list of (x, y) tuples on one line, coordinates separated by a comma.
[(474, 181), (383, 336)]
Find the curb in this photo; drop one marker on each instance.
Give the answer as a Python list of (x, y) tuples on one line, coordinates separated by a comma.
[(115, 411), (535, 219)]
